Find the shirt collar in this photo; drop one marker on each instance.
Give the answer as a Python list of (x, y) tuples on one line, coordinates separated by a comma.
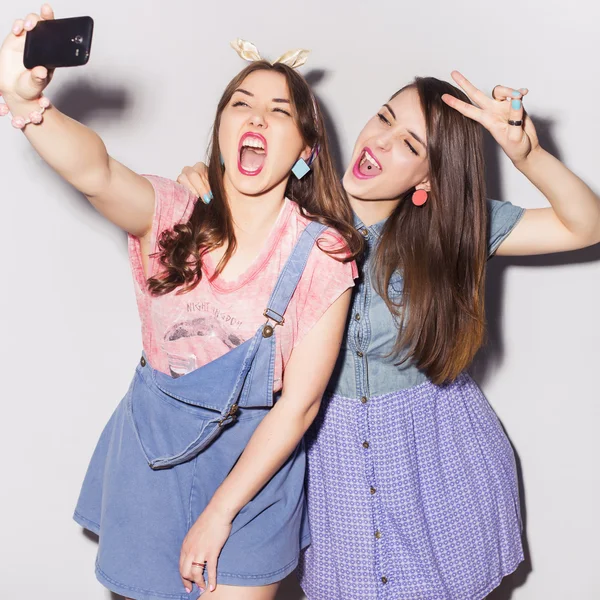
[(374, 230)]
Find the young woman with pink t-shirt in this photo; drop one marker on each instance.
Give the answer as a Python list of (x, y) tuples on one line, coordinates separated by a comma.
[(243, 299)]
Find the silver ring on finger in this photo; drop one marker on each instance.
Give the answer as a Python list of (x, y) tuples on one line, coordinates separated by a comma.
[(515, 123)]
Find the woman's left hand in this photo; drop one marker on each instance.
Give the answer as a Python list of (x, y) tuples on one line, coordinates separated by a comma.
[(517, 140), (195, 179), (201, 548)]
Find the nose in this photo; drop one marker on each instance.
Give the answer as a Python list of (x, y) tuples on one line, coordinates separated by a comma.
[(384, 141), (258, 120)]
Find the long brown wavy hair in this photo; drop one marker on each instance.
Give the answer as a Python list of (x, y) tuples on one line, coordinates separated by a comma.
[(440, 247), (319, 195)]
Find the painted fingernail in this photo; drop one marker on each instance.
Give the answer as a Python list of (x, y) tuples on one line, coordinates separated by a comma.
[(188, 590), (206, 198), (211, 195), (212, 588), (16, 29), (28, 24), (516, 93), (516, 104)]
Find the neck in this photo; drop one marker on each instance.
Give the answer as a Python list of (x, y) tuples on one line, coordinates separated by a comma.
[(252, 214), (372, 211)]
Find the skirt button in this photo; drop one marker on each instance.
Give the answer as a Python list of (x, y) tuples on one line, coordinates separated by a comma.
[(143, 361), (267, 331)]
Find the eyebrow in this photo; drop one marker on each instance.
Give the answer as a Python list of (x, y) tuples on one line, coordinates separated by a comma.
[(409, 131), (417, 138), (279, 100)]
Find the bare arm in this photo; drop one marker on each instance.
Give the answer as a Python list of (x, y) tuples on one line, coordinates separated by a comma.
[(273, 441), (282, 429), (74, 151), (572, 222)]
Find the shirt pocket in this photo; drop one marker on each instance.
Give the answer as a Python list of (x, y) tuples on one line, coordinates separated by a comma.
[(396, 286)]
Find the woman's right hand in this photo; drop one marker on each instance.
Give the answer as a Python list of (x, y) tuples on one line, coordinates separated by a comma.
[(19, 85), (195, 179), (73, 150)]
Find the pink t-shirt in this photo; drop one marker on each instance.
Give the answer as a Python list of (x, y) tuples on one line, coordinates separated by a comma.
[(183, 332)]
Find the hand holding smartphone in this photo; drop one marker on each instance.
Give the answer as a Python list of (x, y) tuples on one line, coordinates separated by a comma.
[(59, 43), (35, 46)]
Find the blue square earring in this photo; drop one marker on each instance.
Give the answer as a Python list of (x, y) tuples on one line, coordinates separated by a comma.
[(300, 169)]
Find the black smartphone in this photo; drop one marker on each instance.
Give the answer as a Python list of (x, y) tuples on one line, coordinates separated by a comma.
[(59, 43)]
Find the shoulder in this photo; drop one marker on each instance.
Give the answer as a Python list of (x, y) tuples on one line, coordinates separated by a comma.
[(501, 213), (330, 244), (173, 202), (502, 218)]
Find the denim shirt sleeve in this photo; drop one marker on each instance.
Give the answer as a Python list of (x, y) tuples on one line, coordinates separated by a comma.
[(503, 216)]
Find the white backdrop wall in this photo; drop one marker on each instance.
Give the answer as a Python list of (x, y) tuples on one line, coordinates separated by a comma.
[(70, 335)]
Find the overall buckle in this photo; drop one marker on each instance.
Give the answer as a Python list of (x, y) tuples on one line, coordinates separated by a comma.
[(268, 329), (230, 417)]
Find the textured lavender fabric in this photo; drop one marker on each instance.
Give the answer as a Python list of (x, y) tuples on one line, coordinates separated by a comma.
[(412, 495)]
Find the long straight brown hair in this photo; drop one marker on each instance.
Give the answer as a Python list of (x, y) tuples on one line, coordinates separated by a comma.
[(319, 195), (440, 247)]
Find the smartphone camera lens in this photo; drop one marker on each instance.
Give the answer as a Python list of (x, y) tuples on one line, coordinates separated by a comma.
[(78, 39)]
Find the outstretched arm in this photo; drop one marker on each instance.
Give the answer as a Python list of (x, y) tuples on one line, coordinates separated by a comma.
[(74, 151)]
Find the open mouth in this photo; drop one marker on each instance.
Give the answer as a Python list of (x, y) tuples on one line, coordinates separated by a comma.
[(367, 166), (252, 154)]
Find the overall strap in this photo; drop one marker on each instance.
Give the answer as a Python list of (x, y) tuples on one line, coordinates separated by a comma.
[(292, 272)]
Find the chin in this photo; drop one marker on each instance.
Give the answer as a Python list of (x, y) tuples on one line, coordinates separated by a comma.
[(367, 189), (362, 190), (251, 186)]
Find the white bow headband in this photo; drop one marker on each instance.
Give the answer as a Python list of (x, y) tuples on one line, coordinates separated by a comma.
[(249, 52)]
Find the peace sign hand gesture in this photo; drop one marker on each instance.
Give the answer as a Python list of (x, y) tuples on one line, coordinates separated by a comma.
[(503, 116)]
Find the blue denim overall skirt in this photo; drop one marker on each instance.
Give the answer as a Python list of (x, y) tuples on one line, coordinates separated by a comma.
[(170, 444)]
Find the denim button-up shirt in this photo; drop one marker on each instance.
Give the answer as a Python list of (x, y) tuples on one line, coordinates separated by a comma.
[(366, 366)]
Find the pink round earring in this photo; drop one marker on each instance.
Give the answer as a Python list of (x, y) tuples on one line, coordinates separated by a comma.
[(419, 197)]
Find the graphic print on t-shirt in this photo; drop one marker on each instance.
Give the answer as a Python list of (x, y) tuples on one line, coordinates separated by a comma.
[(210, 322), (182, 332)]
